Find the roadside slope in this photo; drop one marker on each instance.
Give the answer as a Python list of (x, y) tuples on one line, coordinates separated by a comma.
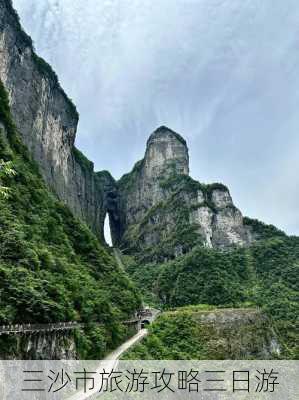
[(208, 333)]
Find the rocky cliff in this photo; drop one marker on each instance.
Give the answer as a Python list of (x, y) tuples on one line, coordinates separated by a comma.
[(47, 121), (39, 346), (156, 204), (163, 212)]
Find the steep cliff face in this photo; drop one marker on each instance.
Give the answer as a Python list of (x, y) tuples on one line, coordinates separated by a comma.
[(47, 121), (164, 212), (39, 346)]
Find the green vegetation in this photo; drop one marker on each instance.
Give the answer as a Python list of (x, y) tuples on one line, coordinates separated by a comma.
[(127, 181), (205, 276), (201, 276), (104, 175), (6, 170), (82, 160), (26, 38), (263, 275), (276, 263), (263, 231), (145, 277), (179, 238), (172, 268), (52, 268), (187, 333), (45, 69), (178, 182)]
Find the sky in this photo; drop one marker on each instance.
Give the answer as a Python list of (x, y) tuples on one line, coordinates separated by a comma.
[(222, 73)]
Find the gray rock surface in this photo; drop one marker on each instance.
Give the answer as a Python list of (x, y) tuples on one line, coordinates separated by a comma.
[(47, 121), (158, 199), (239, 334), (40, 346)]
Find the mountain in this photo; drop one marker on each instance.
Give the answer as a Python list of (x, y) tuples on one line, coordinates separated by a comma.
[(187, 244), (163, 210), (184, 243)]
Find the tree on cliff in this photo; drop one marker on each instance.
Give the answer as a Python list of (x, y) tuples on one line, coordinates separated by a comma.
[(6, 170)]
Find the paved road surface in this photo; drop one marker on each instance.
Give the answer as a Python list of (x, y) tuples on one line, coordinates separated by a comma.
[(109, 363), (116, 354)]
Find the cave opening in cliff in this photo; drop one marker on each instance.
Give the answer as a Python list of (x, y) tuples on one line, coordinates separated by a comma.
[(107, 231)]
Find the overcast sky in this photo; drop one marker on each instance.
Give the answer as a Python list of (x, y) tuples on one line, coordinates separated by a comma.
[(222, 73)]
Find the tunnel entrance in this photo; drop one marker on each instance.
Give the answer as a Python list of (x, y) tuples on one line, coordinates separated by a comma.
[(107, 231), (144, 323)]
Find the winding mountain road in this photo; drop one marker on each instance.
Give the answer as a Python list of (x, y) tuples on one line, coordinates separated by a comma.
[(108, 364), (116, 354)]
